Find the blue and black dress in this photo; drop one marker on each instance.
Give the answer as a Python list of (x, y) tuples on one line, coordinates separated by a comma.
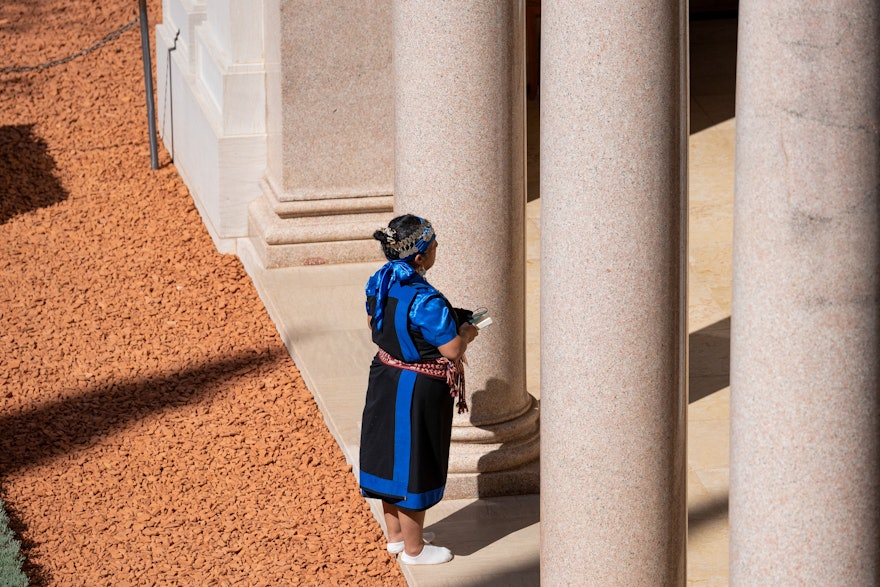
[(407, 419)]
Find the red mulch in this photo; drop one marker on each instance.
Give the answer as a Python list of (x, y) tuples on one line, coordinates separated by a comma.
[(153, 429)]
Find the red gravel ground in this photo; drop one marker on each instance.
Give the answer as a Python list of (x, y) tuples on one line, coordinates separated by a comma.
[(153, 429)]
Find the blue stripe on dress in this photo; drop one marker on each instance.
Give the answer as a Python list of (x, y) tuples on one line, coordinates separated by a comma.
[(403, 427), (409, 501), (404, 297)]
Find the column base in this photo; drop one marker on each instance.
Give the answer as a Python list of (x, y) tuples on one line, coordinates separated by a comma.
[(523, 480), (494, 460), (317, 231)]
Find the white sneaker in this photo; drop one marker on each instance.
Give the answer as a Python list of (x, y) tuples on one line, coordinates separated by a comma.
[(397, 547), (430, 555)]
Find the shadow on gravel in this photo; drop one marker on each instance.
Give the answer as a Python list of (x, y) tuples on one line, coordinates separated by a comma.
[(27, 181), (74, 423), (67, 425)]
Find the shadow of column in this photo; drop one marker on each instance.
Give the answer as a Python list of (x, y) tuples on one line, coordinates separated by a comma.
[(75, 422), (486, 521), (27, 180), (709, 360), (714, 510)]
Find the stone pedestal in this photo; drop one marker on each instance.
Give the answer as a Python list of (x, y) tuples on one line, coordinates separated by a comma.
[(459, 161), (805, 449), (329, 110), (613, 311)]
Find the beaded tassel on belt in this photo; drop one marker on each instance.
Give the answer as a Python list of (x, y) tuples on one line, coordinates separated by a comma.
[(442, 368)]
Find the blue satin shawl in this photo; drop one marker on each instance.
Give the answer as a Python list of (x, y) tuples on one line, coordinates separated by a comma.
[(432, 314)]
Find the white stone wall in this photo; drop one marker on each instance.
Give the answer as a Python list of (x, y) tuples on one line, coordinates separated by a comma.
[(285, 102), (211, 106)]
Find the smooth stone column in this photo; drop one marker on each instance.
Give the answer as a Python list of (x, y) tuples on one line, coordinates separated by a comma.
[(459, 161), (613, 258), (805, 446)]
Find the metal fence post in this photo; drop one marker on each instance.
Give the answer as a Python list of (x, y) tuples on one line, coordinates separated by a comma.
[(148, 81)]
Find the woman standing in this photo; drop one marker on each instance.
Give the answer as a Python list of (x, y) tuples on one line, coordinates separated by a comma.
[(407, 420)]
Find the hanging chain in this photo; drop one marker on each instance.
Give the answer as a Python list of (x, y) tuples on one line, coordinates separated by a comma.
[(109, 38)]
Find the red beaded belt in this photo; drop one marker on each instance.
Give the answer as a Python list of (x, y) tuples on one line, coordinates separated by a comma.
[(442, 368)]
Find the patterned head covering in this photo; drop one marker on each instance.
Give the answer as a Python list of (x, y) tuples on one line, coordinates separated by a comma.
[(398, 269), (407, 248)]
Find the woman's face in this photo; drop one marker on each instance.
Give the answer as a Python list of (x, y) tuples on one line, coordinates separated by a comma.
[(430, 256)]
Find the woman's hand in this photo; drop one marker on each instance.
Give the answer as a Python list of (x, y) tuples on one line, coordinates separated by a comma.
[(468, 331), (455, 348)]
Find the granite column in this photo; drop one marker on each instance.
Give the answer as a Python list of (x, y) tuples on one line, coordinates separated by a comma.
[(459, 161), (613, 273), (805, 338)]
